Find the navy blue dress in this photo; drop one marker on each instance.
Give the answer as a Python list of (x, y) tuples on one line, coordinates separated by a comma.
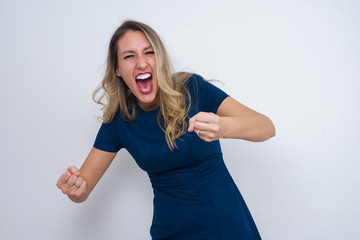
[(194, 194)]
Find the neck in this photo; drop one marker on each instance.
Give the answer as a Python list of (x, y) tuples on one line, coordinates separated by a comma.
[(149, 106)]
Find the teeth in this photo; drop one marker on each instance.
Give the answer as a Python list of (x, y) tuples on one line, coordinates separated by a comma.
[(143, 76)]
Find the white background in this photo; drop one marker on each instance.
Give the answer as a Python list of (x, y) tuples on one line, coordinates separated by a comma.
[(295, 61)]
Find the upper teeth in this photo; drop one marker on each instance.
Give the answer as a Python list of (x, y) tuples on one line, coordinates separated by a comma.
[(143, 76)]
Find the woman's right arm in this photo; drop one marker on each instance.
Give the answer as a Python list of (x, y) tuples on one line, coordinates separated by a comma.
[(79, 184)]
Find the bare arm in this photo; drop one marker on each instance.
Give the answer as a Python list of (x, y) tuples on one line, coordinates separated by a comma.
[(79, 184), (232, 120), (239, 121)]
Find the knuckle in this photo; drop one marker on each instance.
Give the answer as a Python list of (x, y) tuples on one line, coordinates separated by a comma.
[(214, 128), (72, 178), (78, 194), (214, 118)]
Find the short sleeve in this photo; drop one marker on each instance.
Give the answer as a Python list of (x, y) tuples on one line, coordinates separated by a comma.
[(107, 138), (205, 96)]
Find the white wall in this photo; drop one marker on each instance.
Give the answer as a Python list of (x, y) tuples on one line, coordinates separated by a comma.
[(295, 61)]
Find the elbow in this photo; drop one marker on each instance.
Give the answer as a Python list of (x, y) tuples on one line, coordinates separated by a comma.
[(270, 130), (265, 136), (267, 131), (273, 134)]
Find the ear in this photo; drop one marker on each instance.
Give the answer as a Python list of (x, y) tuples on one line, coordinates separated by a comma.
[(117, 72)]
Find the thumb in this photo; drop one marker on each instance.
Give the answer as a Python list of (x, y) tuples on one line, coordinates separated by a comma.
[(73, 170)]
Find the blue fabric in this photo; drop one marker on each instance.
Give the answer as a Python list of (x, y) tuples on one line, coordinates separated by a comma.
[(194, 194)]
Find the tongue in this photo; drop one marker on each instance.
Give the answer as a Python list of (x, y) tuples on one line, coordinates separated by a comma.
[(144, 85)]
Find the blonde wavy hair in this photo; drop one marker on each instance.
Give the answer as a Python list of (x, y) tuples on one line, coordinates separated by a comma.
[(172, 87)]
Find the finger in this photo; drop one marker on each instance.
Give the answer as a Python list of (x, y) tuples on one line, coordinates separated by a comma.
[(191, 124), (77, 191), (203, 135), (74, 170), (70, 189), (202, 126), (78, 182), (206, 136), (63, 179), (205, 117), (71, 181), (67, 188), (194, 119), (81, 189)]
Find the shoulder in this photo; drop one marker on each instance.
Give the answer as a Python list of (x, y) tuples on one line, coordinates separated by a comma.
[(107, 138), (204, 95), (199, 85), (195, 78), (195, 82)]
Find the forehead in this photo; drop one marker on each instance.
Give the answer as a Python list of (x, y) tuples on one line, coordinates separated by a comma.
[(132, 40)]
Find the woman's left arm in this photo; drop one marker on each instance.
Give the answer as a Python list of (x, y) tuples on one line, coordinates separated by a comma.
[(232, 120)]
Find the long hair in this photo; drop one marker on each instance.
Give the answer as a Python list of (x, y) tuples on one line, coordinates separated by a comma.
[(172, 87)]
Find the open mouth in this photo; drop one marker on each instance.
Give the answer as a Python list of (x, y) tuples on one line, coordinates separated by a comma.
[(144, 82)]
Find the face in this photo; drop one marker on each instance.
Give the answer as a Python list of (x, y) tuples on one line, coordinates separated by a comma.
[(137, 67)]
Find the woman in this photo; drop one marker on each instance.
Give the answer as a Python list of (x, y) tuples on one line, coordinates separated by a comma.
[(171, 125)]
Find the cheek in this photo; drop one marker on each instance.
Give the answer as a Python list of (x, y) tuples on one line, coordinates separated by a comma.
[(127, 82), (125, 73), (153, 64)]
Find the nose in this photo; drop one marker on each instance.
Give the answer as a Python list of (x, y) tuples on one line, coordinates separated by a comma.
[(141, 62)]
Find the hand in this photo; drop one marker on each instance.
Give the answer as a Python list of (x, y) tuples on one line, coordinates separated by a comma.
[(206, 125), (71, 183)]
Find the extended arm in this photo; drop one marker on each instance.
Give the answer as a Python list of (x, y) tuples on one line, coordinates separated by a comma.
[(232, 120), (79, 184)]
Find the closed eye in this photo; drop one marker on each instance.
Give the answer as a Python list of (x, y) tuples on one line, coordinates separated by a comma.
[(149, 53), (128, 57)]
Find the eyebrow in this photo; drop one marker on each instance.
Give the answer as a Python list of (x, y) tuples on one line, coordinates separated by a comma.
[(131, 51)]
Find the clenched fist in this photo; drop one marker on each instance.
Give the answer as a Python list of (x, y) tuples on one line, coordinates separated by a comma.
[(207, 126), (72, 184)]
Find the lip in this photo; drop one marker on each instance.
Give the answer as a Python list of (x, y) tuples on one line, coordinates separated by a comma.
[(144, 91), (139, 74)]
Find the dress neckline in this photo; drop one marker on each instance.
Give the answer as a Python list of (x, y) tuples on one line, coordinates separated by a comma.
[(156, 110)]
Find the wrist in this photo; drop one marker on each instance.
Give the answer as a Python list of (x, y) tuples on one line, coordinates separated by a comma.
[(224, 127)]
